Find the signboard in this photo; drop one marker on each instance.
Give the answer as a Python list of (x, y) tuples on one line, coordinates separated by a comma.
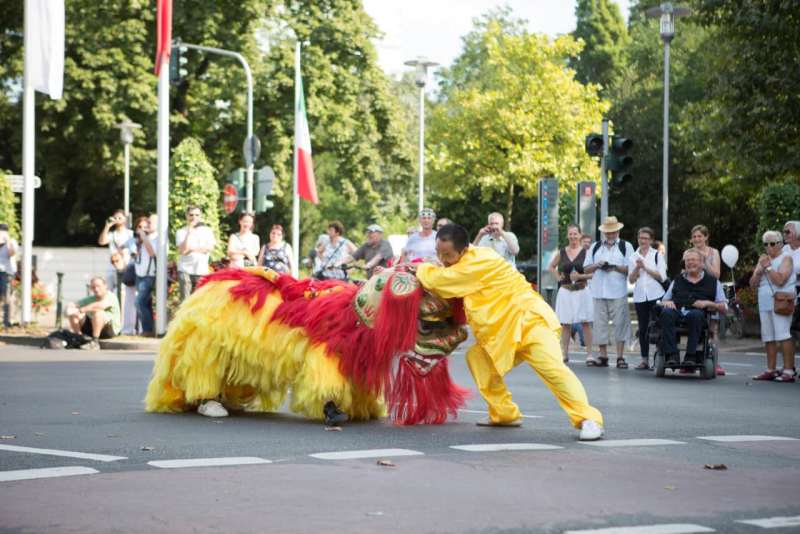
[(251, 150), (586, 208), (17, 182), (547, 236), (230, 198)]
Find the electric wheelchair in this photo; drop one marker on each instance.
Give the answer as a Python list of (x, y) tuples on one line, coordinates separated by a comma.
[(704, 359)]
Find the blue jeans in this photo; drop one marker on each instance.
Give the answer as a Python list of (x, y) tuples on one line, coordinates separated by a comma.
[(144, 301)]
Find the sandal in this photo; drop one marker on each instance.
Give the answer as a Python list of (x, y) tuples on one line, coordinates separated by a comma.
[(643, 366), (621, 363), (598, 362), (788, 375), (766, 375)]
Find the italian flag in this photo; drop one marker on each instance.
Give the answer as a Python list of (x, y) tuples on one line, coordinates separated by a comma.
[(306, 186)]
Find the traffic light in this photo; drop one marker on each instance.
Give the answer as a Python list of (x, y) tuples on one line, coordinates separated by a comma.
[(594, 144), (619, 163), (263, 188), (177, 61)]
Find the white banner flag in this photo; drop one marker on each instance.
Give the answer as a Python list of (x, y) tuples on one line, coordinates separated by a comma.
[(46, 54)]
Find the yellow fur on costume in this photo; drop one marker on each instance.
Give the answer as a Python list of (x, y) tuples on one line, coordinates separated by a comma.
[(217, 347)]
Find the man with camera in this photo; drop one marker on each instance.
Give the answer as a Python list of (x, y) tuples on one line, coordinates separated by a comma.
[(8, 268), (194, 241), (608, 259), (493, 236)]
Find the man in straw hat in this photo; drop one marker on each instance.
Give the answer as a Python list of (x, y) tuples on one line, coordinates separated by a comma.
[(608, 261)]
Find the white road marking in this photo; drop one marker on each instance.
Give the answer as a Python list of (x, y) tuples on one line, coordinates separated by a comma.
[(673, 528), (632, 442), (369, 453), (67, 454), (484, 412), (754, 353), (492, 447), (49, 472), (208, 462), (745, 438), (772, 522), (733, 364)]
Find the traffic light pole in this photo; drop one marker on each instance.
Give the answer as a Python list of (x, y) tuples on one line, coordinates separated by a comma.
[(665, 162), (604, 174), (249, 75)]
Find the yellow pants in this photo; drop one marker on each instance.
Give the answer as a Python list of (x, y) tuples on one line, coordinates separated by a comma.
[(540, 347)]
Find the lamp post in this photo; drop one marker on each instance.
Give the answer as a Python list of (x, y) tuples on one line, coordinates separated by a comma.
[(667, 13), (421, 65), (126, 128)]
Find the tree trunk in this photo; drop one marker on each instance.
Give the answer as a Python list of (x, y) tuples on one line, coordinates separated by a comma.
[(509, 206)]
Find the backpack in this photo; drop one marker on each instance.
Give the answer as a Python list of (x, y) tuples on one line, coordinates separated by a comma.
[(63, 339), (620, 244)]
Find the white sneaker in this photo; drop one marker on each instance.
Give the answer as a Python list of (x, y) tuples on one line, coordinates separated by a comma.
[(591, 430), (212, 408)]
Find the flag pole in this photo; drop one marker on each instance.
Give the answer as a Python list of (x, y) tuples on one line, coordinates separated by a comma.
[(296, 192), (28, 155), (162, 192)]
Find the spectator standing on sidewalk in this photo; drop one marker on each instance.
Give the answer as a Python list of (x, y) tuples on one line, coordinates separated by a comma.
[(712, 263), (195, 241), (276, 254), (648, 271), (791, 236), (243, 246), (775, 273), (146, 243), (573, 301), (97, 315), (8, 268), (119, 238), (608, 261), (331, 253), (493, 236), (421, 244)]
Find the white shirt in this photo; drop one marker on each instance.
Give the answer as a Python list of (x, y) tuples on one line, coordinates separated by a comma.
[(795, 254), (118, 240), (419, 247), (767, 288), (195, 262), (500, 245), (609, 284), (7, 263), (648, 288), (250, 243), (145, 267)]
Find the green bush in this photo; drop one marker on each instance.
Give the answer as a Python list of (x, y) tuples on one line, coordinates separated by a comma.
[(193, 184), (8, 211), (778, 202)]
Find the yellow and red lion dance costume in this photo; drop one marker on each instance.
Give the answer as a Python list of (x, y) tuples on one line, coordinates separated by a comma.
[(248, 337)]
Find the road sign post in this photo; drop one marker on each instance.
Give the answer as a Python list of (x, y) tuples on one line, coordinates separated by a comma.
[(548, 237)]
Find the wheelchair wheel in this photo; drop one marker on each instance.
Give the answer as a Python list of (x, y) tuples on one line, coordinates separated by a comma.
[(659, 364)]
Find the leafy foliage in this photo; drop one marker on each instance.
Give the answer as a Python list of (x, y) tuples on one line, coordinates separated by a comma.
[(8, 209), (193, 184), (601, 27), (777, 203)]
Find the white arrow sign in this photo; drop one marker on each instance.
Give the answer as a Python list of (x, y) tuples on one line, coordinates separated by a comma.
[(17, 182)]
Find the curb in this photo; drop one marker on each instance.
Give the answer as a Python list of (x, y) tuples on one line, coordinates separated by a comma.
[(150, 345)]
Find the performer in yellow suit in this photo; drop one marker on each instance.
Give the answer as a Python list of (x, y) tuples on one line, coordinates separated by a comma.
[(511, 323)]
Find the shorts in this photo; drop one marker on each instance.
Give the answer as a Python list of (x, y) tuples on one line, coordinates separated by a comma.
[(574, 306), (106, 333), (616, 311), (775, 327)]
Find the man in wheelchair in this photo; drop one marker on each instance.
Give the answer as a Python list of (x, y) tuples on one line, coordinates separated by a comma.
[(693, 293)]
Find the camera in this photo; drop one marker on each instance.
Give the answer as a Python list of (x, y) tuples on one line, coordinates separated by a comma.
[(606, 266)]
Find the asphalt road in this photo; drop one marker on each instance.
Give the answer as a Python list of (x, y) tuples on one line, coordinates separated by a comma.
[(547, 482)]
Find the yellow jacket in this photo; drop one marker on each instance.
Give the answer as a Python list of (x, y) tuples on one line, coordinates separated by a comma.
[(497, 299)]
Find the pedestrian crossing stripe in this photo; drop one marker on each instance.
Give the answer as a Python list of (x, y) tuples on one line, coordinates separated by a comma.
[(369, 453), (208, 462), (66, 454), (772, 522), (744, 438), (493, 447), (632, 442), (672, 528), (47, 472)]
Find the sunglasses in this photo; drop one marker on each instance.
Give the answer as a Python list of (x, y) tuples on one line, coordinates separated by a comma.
[(787, 231), (771, 244)]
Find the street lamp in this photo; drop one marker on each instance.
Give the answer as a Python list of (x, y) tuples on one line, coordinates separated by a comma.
[(667, 13), (126, 128), (421, 64)]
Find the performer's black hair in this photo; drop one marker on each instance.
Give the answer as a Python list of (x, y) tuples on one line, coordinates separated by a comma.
[(454, 233)]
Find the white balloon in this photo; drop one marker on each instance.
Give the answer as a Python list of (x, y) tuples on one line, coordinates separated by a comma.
[(730, 255)]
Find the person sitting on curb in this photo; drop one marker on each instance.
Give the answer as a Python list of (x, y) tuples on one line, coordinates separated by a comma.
[(97, 315)]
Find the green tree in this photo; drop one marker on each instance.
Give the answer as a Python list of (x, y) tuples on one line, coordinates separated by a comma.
[(193, 183), (601, 27), (778, 202), (8, 209), (522, 118)]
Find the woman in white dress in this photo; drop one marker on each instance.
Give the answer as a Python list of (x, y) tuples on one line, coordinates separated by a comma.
[(573, 301), (243, 246)]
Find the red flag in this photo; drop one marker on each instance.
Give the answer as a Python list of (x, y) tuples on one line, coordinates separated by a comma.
[(306, 184), (163, 31)]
